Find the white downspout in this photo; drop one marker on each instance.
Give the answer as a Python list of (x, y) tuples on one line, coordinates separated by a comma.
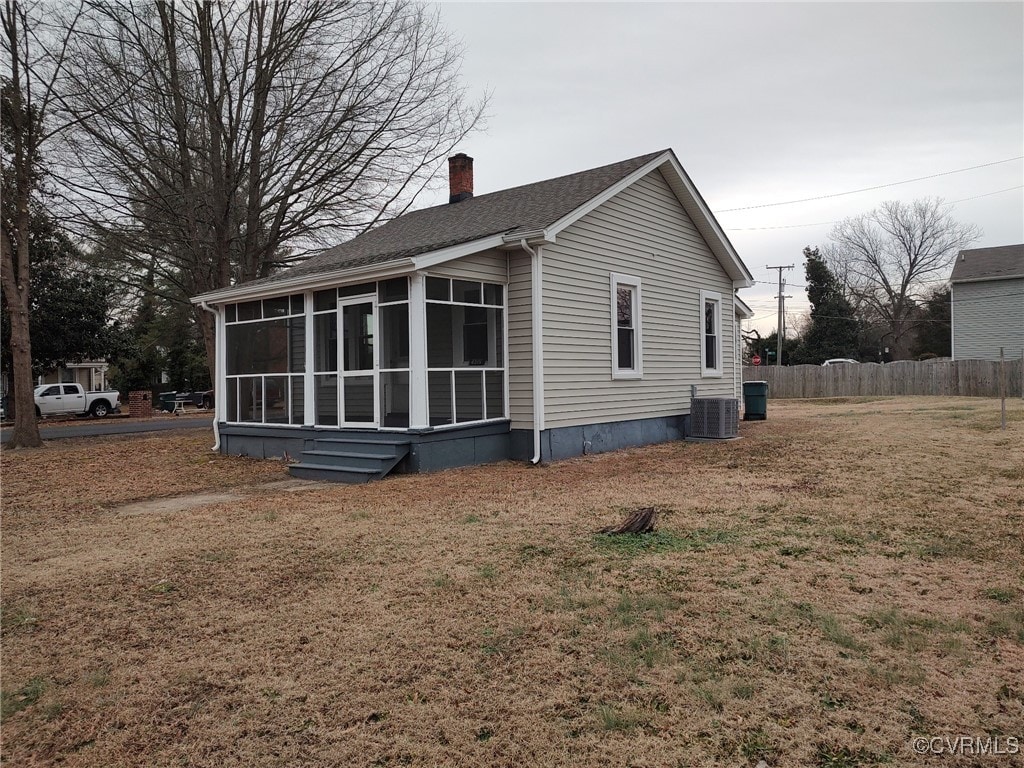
[(216, 396), (737, 352), (536, 326)]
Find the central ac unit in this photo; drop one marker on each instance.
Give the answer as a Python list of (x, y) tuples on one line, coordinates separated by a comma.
[(714, 417)]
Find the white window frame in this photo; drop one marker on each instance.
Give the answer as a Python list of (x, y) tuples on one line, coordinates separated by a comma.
[(629, 281), (225, 380), (705, 297), (458, 352)]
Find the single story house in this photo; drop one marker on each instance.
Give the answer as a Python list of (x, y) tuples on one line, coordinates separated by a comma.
[(91, 374), (569, 316), (987, 297)]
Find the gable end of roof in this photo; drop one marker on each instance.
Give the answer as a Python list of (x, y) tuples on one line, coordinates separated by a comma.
[(1002, 262), (690, 199)]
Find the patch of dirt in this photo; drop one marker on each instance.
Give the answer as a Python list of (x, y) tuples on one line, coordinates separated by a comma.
[(820, 593), (176, 503), (190, 501)]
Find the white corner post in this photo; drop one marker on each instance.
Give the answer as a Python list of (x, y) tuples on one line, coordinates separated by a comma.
[(418, 416), (308, 381)]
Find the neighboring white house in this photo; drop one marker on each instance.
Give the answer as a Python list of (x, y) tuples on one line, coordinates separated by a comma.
[(987, 295), (569, 316), (91, 374)]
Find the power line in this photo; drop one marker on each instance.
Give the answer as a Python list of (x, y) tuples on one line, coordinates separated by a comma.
[(932, 281), (987, 194), (788, 284), (783, 226), (917, 320), (826, 223), (967, 300), (986, 298), (869, 189)]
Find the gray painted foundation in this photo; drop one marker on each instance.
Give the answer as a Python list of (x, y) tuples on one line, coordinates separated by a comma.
[(436, 449), (567, 442), (430, 450)]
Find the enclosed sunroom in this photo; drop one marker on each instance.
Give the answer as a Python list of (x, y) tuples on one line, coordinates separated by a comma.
[(390, 355), (364, 362)]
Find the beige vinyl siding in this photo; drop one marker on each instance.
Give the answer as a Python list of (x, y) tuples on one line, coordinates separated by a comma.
[(641, 232), (520, 341), (486, 266), (988, 315)]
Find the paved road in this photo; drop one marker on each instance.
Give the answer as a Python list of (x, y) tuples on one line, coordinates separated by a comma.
[(117, 427)]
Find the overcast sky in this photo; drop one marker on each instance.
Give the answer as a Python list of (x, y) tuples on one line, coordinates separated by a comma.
[(762, 103)]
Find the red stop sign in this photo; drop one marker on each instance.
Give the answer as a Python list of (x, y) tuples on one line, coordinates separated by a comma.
[(756, 359)]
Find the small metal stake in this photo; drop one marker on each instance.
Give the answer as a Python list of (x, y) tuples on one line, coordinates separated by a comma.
[(1002, 387)]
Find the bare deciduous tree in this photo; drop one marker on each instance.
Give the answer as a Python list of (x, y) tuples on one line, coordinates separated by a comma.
[(220, 141), (34, 57), (887, 259)]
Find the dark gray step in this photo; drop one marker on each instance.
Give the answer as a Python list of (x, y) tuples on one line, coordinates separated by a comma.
[(333, 474), (377, 447), (350, 459), (373, 461)]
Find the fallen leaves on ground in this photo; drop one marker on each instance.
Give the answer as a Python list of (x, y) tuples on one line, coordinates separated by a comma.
[(845, 578)]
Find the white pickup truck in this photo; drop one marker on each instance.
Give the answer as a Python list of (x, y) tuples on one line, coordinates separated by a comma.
[(54, 399)]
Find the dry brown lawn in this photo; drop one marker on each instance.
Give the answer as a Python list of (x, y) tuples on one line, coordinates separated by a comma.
[(846, 578)]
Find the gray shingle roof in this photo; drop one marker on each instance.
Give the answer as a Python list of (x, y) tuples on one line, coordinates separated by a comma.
[(520, 209), (989, 263)]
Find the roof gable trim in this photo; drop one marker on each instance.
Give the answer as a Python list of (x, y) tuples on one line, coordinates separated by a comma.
[(433, 258), (608, 194), (742, 309), (721, 246), (306, 282)]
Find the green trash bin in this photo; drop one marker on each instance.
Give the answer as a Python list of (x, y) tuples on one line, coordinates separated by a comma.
[(755, 400)]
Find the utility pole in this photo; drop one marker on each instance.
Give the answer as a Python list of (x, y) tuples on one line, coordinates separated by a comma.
[(782, 300), (783, 335)]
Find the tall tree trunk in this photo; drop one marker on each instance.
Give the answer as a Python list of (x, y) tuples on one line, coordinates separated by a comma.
[(14, 241), (26, 427), (208, 325)]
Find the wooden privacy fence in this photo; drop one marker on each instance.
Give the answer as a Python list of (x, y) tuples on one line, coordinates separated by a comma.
[(967, 378)]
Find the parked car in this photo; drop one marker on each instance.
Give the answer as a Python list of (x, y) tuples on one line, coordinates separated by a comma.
[(203, 399), (170, 401), (839, 361), (54, 399)]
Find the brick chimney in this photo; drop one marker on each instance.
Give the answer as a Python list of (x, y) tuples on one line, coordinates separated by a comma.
[(460, 177)]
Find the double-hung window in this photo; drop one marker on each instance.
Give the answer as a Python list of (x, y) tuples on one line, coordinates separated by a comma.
[(626, 328), (711, 333)]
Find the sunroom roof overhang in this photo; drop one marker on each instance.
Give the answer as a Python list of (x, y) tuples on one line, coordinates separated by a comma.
[(287, 285), (346, 275)]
